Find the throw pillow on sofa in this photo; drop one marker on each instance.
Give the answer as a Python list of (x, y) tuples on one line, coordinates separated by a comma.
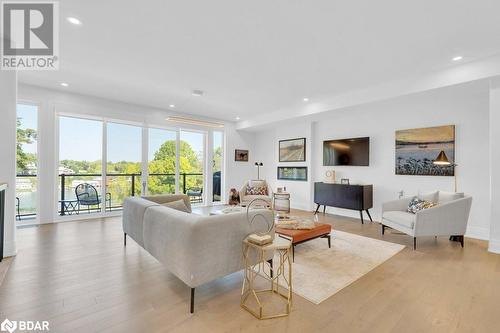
[(177, 205), (417, 205)]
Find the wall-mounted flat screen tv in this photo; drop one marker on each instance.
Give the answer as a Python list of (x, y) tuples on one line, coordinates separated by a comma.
[(355, 151)]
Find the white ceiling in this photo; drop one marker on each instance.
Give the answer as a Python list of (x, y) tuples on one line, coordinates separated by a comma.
[(254, 57)]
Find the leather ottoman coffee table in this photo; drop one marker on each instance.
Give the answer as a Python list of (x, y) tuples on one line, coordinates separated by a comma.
[(298, 236)]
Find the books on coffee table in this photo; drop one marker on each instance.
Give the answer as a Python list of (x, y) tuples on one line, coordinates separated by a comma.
[(297, 223)]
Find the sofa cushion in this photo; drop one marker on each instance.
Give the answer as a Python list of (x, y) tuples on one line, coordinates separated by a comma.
[(449, 196), (402, 218), (429, 196), (177, 205)]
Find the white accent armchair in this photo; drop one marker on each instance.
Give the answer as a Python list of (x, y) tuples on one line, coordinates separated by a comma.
[(448, 218), (245, 198)]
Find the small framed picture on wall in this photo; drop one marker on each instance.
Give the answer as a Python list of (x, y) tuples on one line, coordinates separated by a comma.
[(241, 155)]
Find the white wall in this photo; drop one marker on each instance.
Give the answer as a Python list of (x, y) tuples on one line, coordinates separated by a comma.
[(8, 91), (52, 102), (494, 245), (238, 172), (268, 153), (465, 106)]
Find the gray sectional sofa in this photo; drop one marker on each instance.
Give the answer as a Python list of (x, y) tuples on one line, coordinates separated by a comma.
[(195, 248)]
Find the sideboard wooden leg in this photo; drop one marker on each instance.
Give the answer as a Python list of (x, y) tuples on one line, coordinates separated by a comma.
[(361, 216), (317, 209), (368, 212)]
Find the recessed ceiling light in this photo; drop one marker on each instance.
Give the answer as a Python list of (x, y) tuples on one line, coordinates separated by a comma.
[(197, 92), (237, 118), (172, 105), (457, 58), (64, 84), (74, 20), (305, 99)]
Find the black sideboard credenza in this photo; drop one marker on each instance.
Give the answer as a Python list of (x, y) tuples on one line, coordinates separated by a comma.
[(3, 187), (355, 197)]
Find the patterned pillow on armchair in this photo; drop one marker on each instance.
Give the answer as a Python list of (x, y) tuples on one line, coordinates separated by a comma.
[(256, 190)]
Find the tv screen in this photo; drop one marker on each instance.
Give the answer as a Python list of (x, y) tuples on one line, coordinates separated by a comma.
[(355, 151)]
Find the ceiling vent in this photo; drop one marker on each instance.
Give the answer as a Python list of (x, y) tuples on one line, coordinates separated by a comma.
[(191, 121)]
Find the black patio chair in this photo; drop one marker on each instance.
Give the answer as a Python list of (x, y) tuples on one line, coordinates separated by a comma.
[(195, 194), (87, 195)]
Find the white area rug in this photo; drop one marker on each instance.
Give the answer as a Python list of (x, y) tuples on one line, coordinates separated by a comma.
[(320, 272)]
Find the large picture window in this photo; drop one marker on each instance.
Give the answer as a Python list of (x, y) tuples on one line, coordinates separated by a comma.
[(102, 162)]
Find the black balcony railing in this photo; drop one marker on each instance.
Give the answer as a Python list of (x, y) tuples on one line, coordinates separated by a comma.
[(118, 187)]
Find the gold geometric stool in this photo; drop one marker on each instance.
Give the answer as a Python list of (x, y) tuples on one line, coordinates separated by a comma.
[(257, 268)]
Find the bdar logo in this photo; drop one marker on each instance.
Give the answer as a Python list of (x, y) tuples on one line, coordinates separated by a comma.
[(8, 326)]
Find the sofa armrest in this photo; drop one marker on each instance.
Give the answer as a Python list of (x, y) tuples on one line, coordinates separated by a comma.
[(134, 209), (396, 205), (449, 218)]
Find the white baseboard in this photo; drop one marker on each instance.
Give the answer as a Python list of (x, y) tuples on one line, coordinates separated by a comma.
[(477, 232), (494, 246), (9, 249)]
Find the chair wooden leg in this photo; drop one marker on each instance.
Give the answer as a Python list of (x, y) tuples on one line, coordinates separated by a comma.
[(414, 243), (462, 241), (124, 239), (383, 229)]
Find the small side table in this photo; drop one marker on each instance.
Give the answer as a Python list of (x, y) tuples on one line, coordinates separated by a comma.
[(256, 266), (281, 202)]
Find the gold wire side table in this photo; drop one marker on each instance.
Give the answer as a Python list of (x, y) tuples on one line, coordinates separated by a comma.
[(256, 267)]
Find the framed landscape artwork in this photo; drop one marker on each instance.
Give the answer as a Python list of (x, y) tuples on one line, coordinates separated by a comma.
[(241, 155), (292, 173), (417, 148), (293, 150)]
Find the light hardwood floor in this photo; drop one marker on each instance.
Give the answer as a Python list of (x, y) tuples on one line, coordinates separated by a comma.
[(79, 276)]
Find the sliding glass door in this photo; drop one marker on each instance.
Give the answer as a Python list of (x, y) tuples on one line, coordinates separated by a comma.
[(124, 163), (218, 161), (80, 166), (191, 165), (162, 159), (26, 162)]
